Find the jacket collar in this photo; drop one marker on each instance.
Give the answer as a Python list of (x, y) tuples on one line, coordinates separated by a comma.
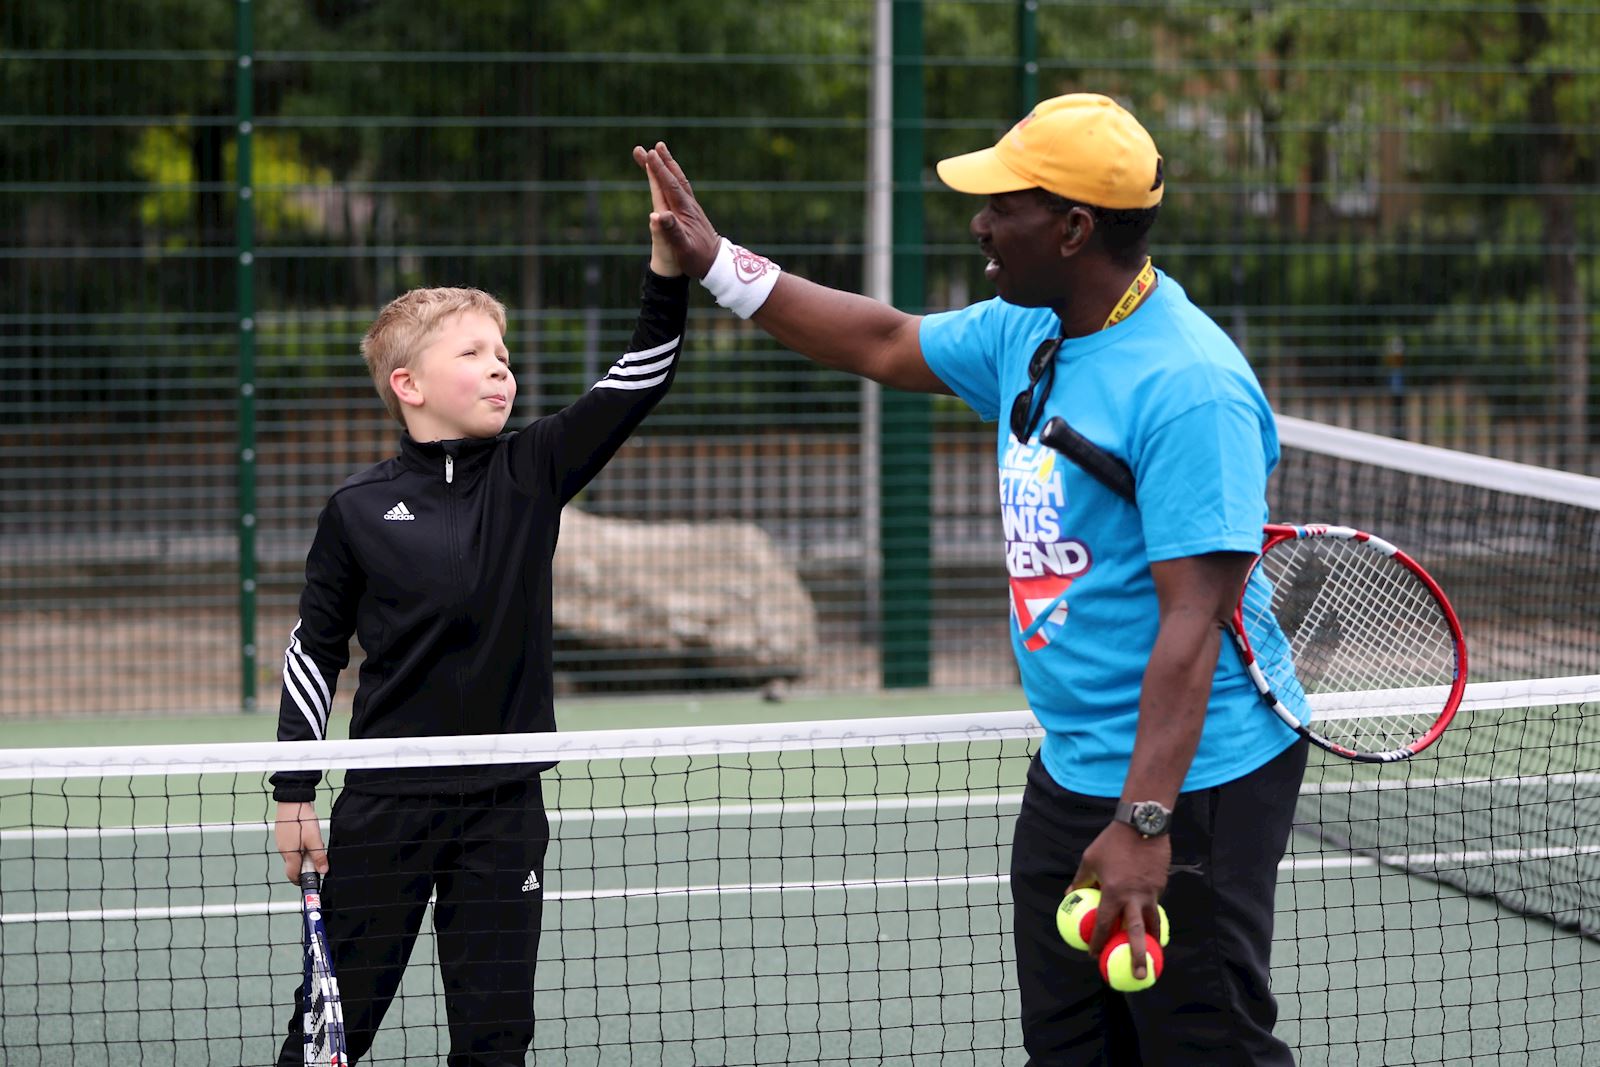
[(470, 454)]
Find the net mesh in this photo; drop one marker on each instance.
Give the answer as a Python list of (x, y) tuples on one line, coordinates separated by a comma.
[(1512, 546), (817, 893)]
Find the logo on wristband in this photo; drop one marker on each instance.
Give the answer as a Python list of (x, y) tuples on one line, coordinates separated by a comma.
[(748, 266)]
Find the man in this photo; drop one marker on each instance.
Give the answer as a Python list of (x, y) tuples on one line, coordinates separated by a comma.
[(1158, 760)]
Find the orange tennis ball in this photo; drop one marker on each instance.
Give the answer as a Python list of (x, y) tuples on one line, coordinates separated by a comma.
[(1075, 916), (1116, 964)]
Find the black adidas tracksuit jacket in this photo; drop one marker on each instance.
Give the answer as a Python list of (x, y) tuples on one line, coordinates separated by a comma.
[(439, 562)]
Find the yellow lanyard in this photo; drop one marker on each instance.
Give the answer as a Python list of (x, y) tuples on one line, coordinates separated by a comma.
[(1136, 292)]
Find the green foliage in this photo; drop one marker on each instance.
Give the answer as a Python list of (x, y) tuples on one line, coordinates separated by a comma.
[(1409, 160)]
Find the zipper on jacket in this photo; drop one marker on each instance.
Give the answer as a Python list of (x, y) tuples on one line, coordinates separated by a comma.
[(452, 546)]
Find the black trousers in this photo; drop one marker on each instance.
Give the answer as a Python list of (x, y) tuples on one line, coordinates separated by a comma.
[(484, 854), (1213, 1004)]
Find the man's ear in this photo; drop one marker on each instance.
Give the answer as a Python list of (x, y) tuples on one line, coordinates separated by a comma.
[(1077, 227), (406, 386)]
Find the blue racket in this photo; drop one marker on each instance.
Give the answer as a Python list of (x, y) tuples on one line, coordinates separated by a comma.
[(322, 1025)]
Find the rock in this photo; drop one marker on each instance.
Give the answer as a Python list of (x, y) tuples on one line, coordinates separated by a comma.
[(716, 599)]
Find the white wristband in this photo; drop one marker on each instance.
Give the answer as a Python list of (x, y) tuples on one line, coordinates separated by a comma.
[(740, 280)]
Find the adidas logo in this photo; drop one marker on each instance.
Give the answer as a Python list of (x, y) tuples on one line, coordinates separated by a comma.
[(399, 513), (532, 883)]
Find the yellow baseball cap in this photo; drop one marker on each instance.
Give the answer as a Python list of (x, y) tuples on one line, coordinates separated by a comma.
[(1082, 146)]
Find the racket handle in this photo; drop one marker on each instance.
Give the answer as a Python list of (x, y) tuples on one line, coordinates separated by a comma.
[(309, 878), (1099, 464)]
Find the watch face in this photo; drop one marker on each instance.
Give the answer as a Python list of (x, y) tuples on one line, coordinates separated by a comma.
[(1149, 818)]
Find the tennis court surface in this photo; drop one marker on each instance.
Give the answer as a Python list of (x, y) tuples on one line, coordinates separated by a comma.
[(822, 893), (835, 892)]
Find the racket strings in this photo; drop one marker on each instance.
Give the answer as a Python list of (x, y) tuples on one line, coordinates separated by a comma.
[(1344, 617)]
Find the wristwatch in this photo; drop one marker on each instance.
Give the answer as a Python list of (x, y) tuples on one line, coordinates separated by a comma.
[(1150, 818)]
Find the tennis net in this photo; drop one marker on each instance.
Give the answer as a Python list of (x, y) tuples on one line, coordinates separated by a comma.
[(811, 893), (1514, 546)]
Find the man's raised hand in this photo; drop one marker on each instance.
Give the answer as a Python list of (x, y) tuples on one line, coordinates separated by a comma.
[(681, 221)]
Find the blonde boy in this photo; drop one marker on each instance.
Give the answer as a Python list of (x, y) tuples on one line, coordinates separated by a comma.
[(438, 560)]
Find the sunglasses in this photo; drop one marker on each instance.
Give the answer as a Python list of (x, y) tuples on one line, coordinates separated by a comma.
[(1041, 370)]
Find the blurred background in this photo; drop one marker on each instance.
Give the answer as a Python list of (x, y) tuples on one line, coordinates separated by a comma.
[(1391, 207)]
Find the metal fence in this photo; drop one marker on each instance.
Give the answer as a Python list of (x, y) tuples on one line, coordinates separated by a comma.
[(1392, 208)]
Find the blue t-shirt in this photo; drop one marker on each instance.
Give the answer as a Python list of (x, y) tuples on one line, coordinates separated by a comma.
[(1168, 393)]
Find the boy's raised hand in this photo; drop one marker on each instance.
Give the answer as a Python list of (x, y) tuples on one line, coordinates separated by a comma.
[(663, 257), (677, 219)]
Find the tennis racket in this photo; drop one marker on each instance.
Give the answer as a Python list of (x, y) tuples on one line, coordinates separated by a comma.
[(1332, 620), (322, 1025)]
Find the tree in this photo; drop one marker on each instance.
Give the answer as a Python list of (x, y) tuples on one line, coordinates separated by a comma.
[(1492, 102)]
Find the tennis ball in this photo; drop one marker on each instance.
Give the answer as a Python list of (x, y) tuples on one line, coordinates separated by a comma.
[(1116, 964), (1075, 916)]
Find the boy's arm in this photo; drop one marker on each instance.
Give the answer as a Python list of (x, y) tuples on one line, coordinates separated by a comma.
[(571, 446), (319, 648)]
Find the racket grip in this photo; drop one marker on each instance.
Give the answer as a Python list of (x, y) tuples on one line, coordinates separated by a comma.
[(309, 878), (1099, 464)]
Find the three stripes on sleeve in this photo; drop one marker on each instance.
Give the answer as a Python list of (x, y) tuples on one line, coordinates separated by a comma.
[(641, 370), (306, 686)]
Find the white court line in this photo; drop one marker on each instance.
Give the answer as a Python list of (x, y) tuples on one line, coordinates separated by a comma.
[(1410, 860), (1516, 780), (795, 807), (657, 892), (1403, 861), (670, 811)]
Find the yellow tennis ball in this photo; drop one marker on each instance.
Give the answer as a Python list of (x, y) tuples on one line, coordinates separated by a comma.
[(1075, 916), (1116, 965), (1165, 932)]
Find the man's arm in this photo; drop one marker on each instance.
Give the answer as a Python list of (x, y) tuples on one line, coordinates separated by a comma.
[(1196, 594), (837, 329)]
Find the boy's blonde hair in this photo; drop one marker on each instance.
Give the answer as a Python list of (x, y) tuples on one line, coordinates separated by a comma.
[(403, 328)]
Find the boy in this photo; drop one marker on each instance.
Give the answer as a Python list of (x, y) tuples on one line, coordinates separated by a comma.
[(439, 560)]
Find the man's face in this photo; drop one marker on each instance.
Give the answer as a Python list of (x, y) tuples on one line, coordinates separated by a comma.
[(1021, 238), (465, 378)]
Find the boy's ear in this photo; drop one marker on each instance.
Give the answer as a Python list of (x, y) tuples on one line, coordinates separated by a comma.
[(406, 386)]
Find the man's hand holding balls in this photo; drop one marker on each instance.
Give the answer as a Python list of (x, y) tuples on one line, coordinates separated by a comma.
[(1075, 920)]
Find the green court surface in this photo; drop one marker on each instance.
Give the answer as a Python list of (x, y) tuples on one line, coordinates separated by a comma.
[(574, 713), (829, 906)]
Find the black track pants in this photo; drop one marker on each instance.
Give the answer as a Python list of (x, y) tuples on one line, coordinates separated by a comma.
[(484, 854), (1213, 1004)]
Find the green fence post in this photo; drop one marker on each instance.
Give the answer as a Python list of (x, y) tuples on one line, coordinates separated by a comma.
[(1027, 55), (906, 422), (244, 227)]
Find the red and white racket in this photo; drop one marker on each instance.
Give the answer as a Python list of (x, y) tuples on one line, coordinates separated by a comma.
[(1343, 625), (1347, 639)]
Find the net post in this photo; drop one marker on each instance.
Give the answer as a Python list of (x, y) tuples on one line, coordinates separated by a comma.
[(906, 419), (244, 233), (1027, 55)]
